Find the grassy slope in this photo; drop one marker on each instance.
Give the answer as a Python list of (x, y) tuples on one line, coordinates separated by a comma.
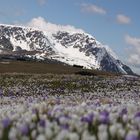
[(43, 68)]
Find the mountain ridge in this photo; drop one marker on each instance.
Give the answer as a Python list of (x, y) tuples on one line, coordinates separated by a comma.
[(72, 46)]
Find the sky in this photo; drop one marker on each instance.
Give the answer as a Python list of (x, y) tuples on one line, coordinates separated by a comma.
[(112, 22)]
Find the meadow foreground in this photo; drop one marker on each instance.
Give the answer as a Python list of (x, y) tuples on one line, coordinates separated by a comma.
[(69, 107)]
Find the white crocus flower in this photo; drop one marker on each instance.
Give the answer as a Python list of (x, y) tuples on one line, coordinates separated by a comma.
[(133, 132), (62, 135), (12, 133), (41, 137), (48, 133), (131, 109), (87, 136), (103, 135), (73, 136), (125, 118), (102, 128), (25, 138), (113, 130), (33, 134), (83, 104), (121, 132), (113, 117), (34, 117), (40, 129)]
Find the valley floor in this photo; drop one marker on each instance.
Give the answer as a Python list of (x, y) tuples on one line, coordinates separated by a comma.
[(69, 107)]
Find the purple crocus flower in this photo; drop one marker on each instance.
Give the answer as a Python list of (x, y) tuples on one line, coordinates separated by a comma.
[(104, 117), (88, 118), (24, 129), (85, 119), (6, 122), (42, 123), (123, 112), (34, 111), (57, 101), (49, 113), (1, 92), (131, 137), (105, 113), (64, 126), (30, 100), (10, 93), (137, 115), (97, 104), (66, 117)]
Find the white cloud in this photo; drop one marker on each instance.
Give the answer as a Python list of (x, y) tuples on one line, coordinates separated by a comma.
[(42, 24), (42, 2), (133, 51), (91, 8), (122, 19), (132, 41), (38, 22)]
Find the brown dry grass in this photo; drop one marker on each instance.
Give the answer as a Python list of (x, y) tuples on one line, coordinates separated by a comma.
[(43, 68)]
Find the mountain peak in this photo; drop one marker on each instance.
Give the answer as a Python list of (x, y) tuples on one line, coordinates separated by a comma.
[(63, 43)]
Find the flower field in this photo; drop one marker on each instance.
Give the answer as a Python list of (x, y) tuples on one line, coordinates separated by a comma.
[(69, 107)]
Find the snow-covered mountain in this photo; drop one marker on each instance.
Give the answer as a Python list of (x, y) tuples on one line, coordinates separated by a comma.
[(65, 44)]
